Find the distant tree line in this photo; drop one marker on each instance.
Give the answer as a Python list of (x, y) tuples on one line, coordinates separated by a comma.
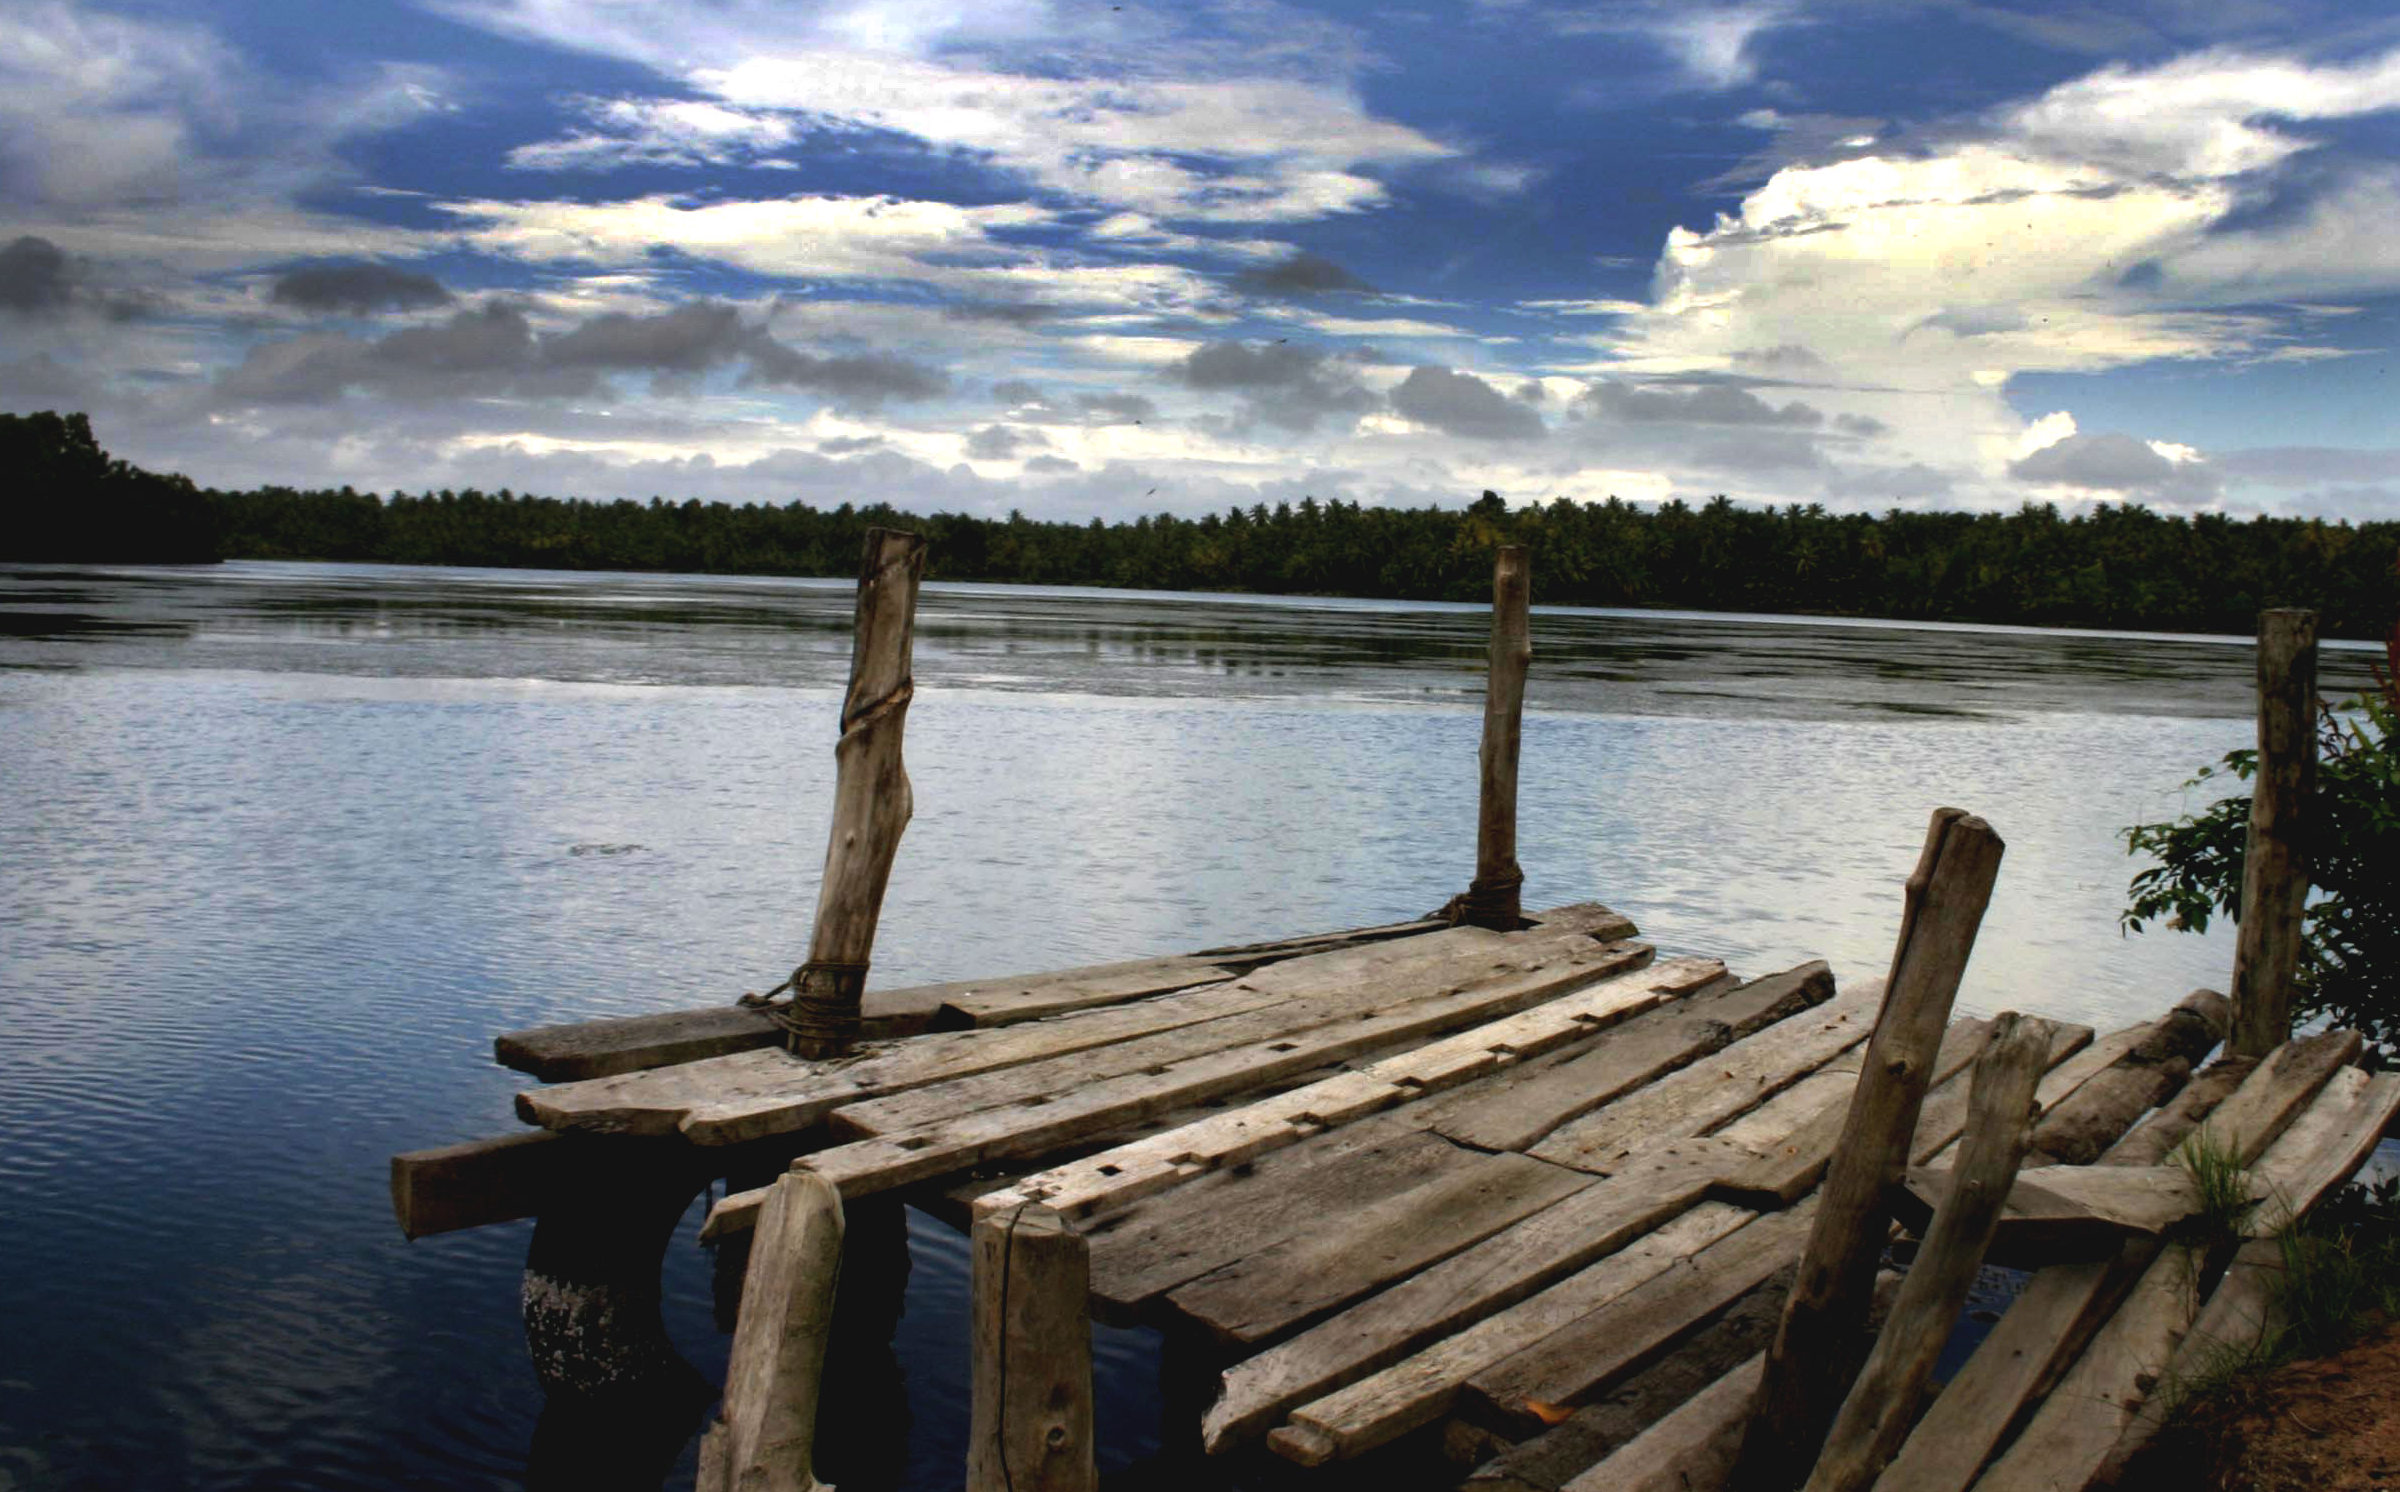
[(73, 503), (2115, 566)]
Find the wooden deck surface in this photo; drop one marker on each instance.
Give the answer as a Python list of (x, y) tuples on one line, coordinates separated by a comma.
[(1515, 1183)]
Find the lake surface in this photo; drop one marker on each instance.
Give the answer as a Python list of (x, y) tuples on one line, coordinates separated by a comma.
[(285, 845)]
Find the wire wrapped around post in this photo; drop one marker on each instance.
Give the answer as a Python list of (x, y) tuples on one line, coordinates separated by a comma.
[(871, 801)]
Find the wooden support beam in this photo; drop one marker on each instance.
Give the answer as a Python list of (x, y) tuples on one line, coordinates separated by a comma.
[(476, 1183), (1882, 1404), (1030, 1356), (2266, 952), (1811, 1363), (1492, 900), (766, 1433), (871, 799)]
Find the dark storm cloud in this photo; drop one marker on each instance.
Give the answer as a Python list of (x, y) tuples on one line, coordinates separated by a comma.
[(1300, 276), (1115, 409), (1709, 404), (1463, 405), (33, 277), (1281, 385), (493, 349), (358, 289)]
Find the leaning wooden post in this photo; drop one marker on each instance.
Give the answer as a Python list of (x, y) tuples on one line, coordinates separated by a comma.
[(765, 1437), (1492, 899), (1812, 1360), (2266, 953), (1030, 1424), (871, 802), (1882, 1405)]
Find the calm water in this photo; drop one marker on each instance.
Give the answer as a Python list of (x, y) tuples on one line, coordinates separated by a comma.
[(282, 846)]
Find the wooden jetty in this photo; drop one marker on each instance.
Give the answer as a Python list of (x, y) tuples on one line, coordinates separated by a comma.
[(1511, 1185)]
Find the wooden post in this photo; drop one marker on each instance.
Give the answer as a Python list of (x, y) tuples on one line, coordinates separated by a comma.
[(765, 1439), (1030, 1427), (871, 802), (1882, 1405), (2266, 952), (1812, 1360), (1492, 899)]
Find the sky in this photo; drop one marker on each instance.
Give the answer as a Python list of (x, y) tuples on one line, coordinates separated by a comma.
[(1105, 259)]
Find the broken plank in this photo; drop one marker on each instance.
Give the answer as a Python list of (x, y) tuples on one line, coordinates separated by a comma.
[(1718, 1088), (1593, 1433), (1692, 1449), (1153, 1164), (2076, 1130), (1644, 1049), (1420, 1389), (2062, 1213), (2323, 1148), (1586, 1355), (1345, 1256)]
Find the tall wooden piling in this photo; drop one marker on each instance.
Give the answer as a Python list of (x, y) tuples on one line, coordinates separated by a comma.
[(1882, 1404), (765, 1439), (871, 799), (1492, 899), (1810, 1365), (1030, 1348), (2266, 952)]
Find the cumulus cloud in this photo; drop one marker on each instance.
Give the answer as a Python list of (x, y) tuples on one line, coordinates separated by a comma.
[(1463, 405), (858, 380), (2110, 461), (2294, 466), (1002, 442), (358, 289), (1115, 409), (1292, 388), (1706, 404)]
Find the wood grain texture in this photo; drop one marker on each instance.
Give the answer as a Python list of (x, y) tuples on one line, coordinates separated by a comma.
[(1030, 1421), (2079, 1128), (1810, 1364), (2275, 876), (1692, 1450), (871, 798), (473, 1184), (769, 1415), (1882, 1403)]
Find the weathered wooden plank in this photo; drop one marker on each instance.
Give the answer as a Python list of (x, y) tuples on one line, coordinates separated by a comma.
[(2048, 1324), (1155, 1163), (2165, 1128), (2240, 1317), (1420, 1389), (1586, 1355), (2079, 1128), (2275, 871), (2324, 1147), (1691, 1450), (1547, 1252), (1345, 1256), (727, 1099), (772, 1092), (1040, 1121), (1030, 1357), (1593, 1433), (1639, 1052), (1146, 1250), (769, 1417), (1511, 971), (1882, 1403), (473, 1184), (2062, 1213), (1713, 1091), (1786, 1170), (2073, 1430), (1809, 1366)]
